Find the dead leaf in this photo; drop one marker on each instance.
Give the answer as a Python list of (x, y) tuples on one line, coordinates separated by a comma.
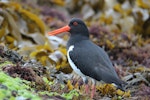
[(13, 28)]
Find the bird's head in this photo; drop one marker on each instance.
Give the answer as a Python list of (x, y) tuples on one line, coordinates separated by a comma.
[(76, 26)]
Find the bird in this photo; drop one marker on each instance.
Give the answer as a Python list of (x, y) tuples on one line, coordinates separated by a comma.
[(86, 58)]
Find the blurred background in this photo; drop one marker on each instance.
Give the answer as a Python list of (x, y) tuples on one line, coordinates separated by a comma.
[(121, 27)]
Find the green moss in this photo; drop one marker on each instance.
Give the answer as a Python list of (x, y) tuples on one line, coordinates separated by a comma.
[(23, 90), (70, 95), (9, 84), (119, 98), (47, 81), (62, 86), (48, 93)]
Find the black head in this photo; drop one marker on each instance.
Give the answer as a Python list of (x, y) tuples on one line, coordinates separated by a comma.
[(77, 26), (78, 31)]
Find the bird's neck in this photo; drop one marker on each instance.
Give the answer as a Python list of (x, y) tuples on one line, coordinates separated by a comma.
[(76, 39)]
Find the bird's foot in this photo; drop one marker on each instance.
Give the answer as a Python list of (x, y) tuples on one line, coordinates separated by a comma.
[(87, 89)]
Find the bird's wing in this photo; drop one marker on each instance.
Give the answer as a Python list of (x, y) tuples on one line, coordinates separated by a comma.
[(92, 60)]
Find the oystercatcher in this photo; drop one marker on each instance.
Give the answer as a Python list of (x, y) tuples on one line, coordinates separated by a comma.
[(86, 58)]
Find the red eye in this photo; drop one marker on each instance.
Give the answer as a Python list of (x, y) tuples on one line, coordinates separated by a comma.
[(75, 23)]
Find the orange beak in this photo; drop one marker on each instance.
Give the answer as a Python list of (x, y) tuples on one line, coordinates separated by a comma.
[(61, 30)]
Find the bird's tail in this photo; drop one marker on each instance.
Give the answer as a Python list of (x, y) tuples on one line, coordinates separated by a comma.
[(121, 85)]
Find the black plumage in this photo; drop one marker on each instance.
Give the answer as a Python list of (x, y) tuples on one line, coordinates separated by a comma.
[(91, 59)]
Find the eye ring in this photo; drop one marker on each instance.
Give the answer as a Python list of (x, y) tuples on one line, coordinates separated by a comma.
[(75, 23)]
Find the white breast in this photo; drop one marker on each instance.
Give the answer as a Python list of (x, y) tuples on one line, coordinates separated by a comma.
[(73, 66)]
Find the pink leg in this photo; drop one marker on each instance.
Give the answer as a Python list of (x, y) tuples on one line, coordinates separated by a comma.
[(93, 91), (86, 88)]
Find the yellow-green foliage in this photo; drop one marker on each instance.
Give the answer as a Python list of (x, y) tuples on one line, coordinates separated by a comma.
[(9, 85)]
